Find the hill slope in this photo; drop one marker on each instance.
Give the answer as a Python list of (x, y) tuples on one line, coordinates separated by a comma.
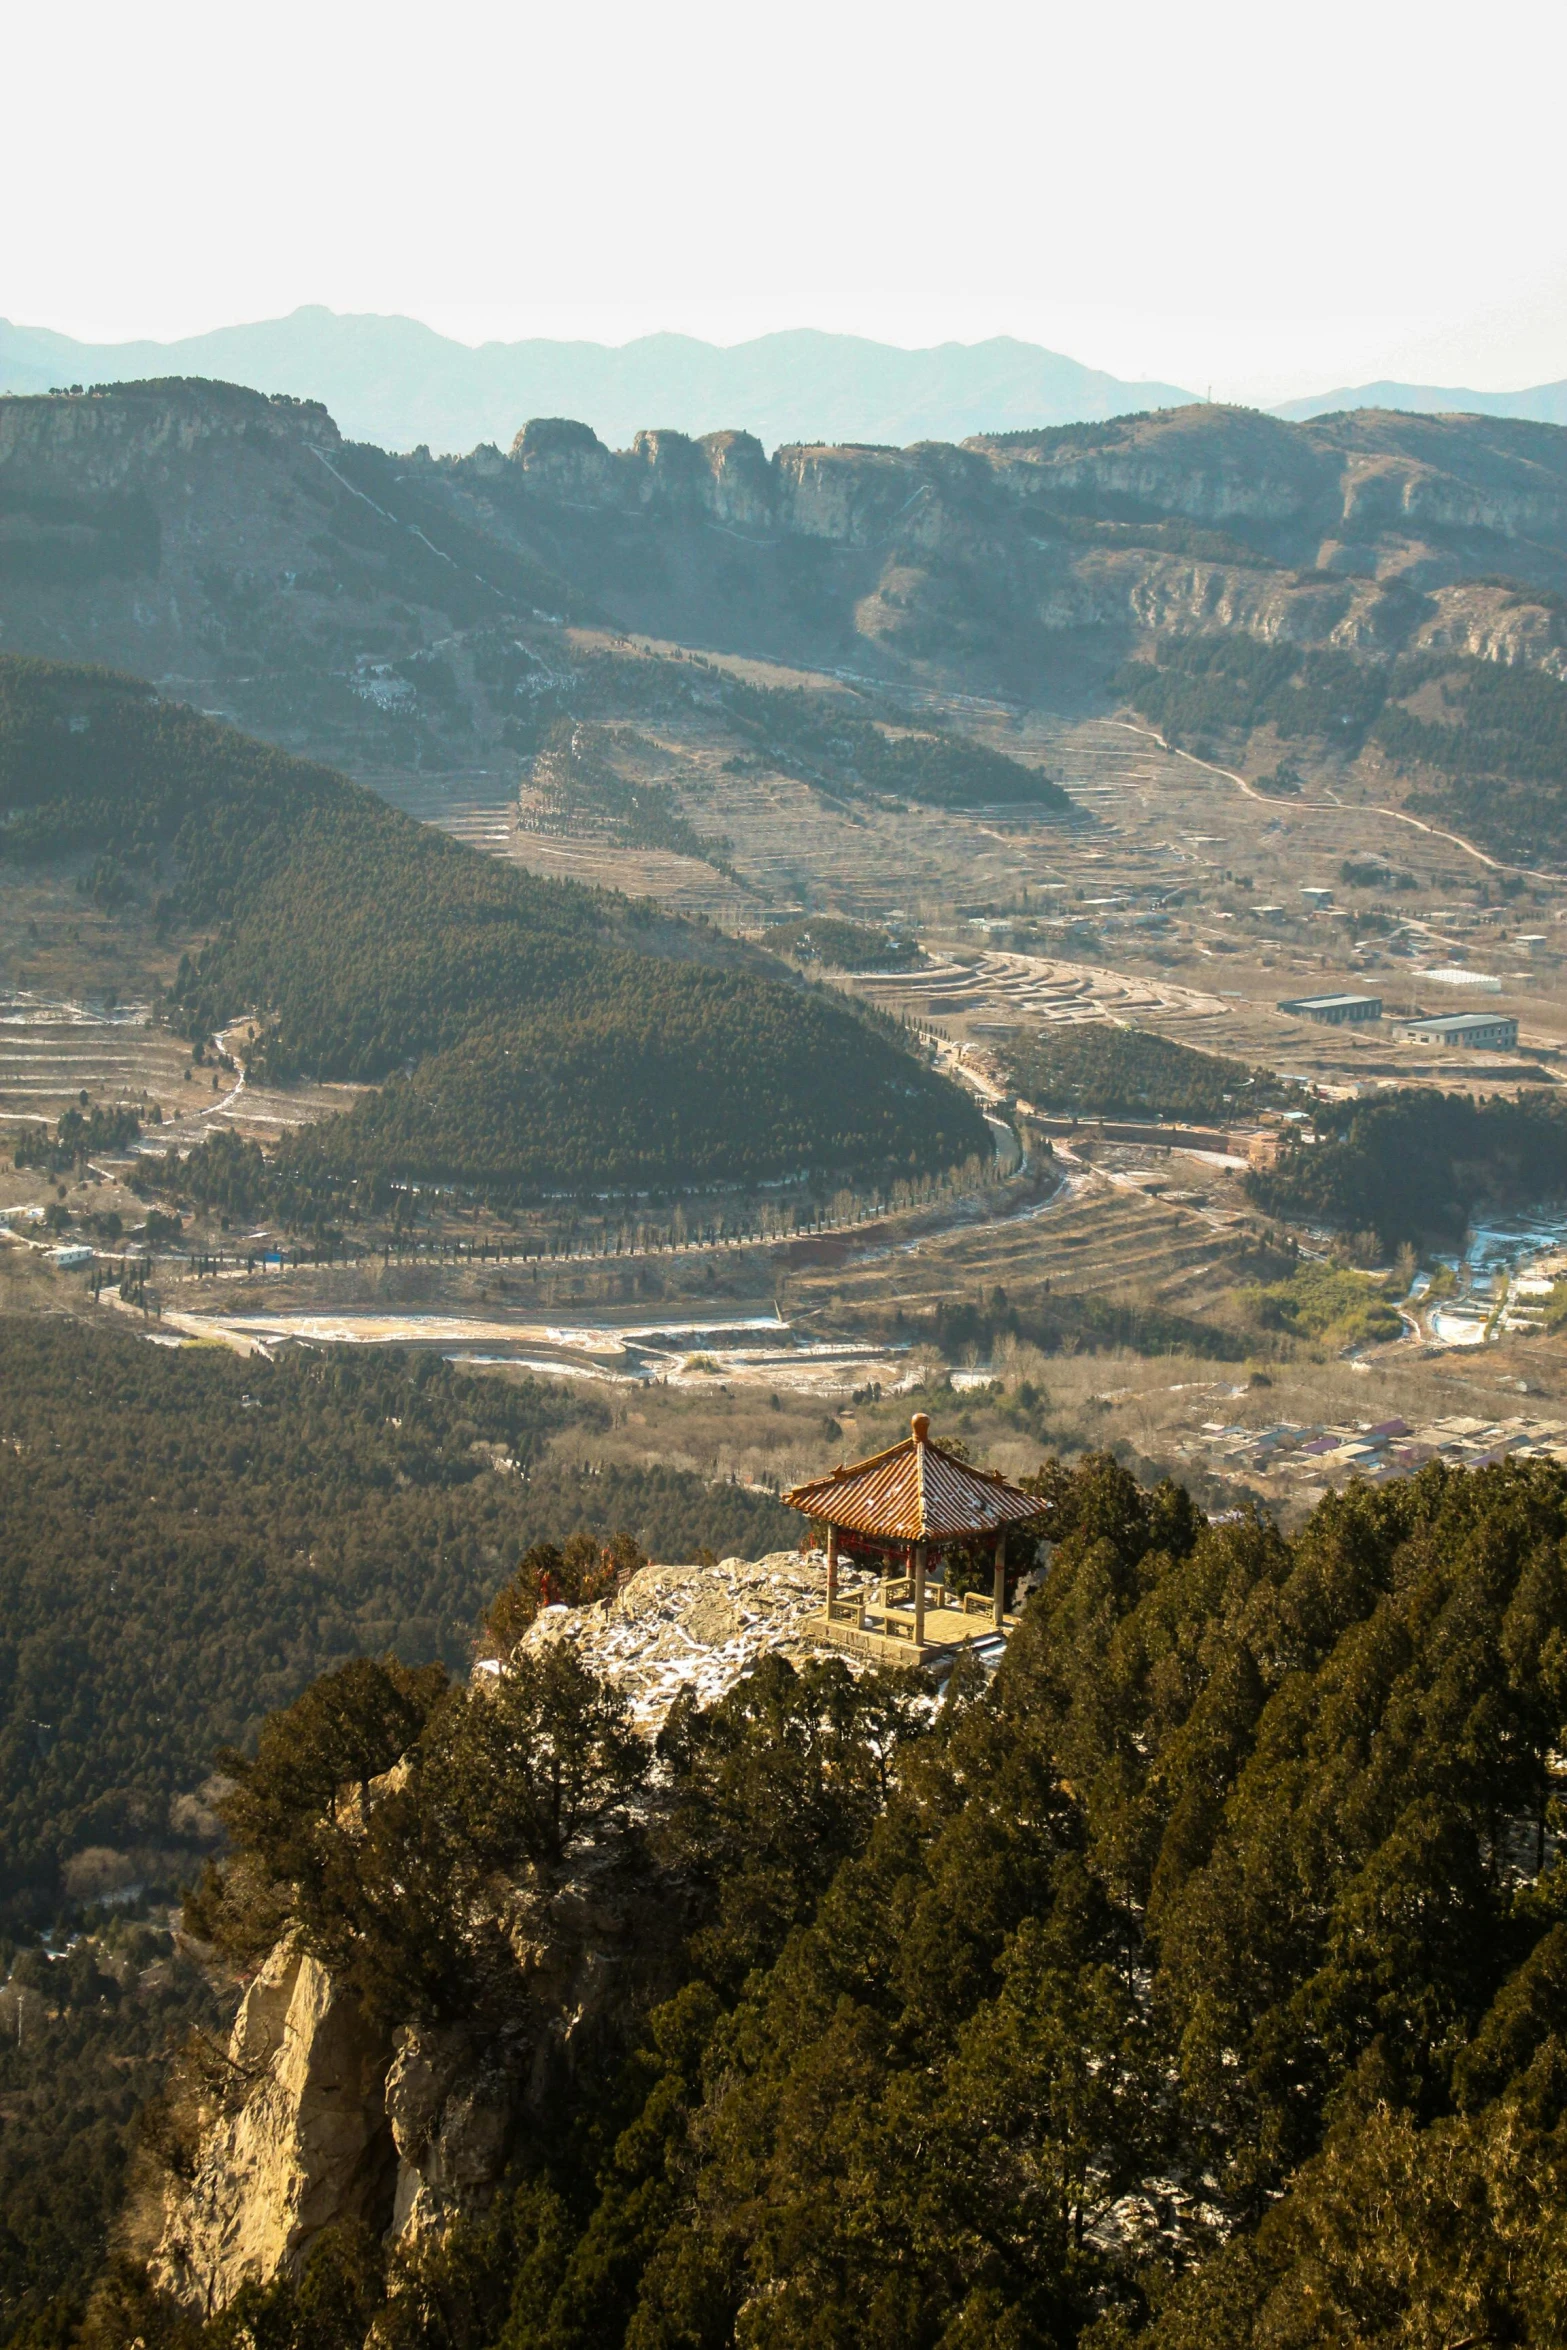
[(1201, 1974), (545, 1042)]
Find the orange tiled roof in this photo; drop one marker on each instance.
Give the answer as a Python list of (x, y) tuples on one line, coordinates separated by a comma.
[(915, 1492)]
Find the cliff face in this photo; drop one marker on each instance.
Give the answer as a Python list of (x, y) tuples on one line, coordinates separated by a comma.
[(1358, 478), (307, 2145), (232, 547), (141, 435), (132, 520), (315, 2118), (318, 2118), (1355, 531)]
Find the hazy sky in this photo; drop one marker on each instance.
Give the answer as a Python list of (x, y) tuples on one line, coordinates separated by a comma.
[(1270, 199)]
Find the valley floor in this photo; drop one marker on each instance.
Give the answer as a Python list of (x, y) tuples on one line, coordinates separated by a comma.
[(1111, 1277)]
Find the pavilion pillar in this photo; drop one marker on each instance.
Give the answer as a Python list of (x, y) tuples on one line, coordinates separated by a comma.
[(832, 1569), (919, 1595), (1001, 1579)]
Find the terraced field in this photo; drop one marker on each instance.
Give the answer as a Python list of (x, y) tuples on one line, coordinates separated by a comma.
[(985, 997), (51, 1051), (980, 991), (483, 812), (1095, 1236), (1175, 902)]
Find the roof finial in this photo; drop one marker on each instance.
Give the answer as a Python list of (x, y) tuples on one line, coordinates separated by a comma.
[(921, 1427)]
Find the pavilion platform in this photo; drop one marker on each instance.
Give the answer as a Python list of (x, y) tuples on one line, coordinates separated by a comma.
[(877, 1621), (905, 1507)]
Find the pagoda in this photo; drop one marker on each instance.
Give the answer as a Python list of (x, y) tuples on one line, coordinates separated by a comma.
[(906, 1506)]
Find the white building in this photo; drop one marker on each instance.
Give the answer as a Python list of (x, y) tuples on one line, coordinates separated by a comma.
[(1479, 1031)]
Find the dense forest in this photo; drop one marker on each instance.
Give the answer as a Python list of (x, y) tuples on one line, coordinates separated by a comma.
[(1502, 754), (191, 1537), (1239, 682), (705, 1073), (371, 941), (1105, 1072), (1499, 756), (1195, 1984), (1413, 1165), (86, 2041)]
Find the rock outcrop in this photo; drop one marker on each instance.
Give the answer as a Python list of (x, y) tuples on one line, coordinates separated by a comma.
[(133, 435), (301, 2139), (313, 2118), (316, 2119), (696, 1629), (1356, 532), (1361, 478), (450, 2116)]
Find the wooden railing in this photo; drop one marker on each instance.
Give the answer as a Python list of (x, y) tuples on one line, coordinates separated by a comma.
[(878, 1616), (899, 1593)]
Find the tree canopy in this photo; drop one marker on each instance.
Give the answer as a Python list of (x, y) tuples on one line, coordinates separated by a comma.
[(191, 1538), (1412, 1165), (1098, 1070), (1196, 1981)]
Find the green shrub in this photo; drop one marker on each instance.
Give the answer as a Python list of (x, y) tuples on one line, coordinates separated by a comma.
[(1326, 1302)]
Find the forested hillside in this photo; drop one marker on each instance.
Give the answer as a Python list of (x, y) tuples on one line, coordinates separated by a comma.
[(702, 1073), (1495, 754), (1180, 1988), (831, 740), (1100, 1071), (1412, 1165), (190, 1538), (368, 941)]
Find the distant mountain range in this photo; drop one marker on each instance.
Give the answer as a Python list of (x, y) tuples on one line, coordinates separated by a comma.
[(399, 384), (1543, 404)]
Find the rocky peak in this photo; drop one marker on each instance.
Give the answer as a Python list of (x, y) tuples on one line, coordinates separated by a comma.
[(567, 462), (740, 478), (119, 435)]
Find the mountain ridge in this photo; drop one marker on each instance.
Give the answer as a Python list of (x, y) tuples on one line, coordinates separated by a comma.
[(399, 383), (1537, 404), (416, 613), (393, 380)]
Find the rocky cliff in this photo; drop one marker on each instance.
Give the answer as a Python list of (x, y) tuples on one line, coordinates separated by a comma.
[(300, 2140), (131, 518), (235, 547), (137, 436), (313, 2116), (1373, 533), (1363, 480)]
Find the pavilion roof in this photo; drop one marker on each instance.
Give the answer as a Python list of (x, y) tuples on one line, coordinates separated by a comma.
[(916, 1491)]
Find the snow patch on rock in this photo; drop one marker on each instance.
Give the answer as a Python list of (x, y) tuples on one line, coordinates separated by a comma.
[(670, 1629)]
